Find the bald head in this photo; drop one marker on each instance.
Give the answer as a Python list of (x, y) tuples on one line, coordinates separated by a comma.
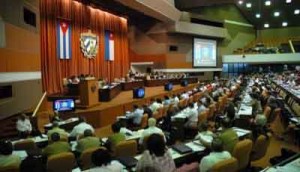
[(151, 122)]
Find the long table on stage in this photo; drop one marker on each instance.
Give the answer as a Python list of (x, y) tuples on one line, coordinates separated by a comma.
[(107, 94), (106, 113), (130, 85), (174, 81)]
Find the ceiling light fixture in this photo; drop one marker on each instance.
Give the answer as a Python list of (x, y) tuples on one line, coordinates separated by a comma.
[(257, 15), (284, 24), (241, 2), (266, 25), (248, 5), (297, 11), (276, 13), (288, 1), (268, 3)]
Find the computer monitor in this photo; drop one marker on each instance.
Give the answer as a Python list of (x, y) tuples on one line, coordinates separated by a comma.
[(168, 86), (184, 83), (138, 93), (64, 105)]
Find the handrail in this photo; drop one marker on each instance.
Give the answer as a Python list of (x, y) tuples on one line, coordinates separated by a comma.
[(39, 104)]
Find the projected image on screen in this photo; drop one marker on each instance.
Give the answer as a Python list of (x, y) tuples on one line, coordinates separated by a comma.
[(204, 53)]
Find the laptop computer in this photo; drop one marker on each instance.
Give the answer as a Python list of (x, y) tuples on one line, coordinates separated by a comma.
[(127, 161), (182, 149)]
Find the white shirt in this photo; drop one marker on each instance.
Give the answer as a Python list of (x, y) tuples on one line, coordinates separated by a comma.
[(154, 106), (213, 158), (136, 115), (192, 114), (125, 131), (114, 166), (23, 126), (80, 128), (149, 131), (201, 108), (176, 100), (163, 163), (185, 96)]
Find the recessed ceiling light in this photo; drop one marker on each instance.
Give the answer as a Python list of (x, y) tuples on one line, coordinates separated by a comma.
[(266, 25), (241, 2), (297, 11), (248, 5), (288, 1), (284, 24), (257, 15), (276, 13), (267, 3)]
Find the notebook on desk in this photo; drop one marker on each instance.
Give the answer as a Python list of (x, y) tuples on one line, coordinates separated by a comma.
[(127, 161), (182, 149)]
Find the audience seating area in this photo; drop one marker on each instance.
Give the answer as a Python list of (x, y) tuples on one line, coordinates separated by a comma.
[(246, 150), (268, 46)]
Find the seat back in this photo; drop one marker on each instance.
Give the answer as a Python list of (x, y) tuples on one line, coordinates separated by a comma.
[(160, 112), (155, 115), (63, 162), (85, 158), (181, 103), (267, 111), (230, 164), (191, 99), (126, 148), (25, 145), (260, 147), (10, 169), (202, 117), (242, 152), (212, 109), (144, 121), (165, 109)]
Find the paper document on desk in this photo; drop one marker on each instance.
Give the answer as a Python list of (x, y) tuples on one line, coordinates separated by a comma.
[(195, 147), (207, 138), (22, 154)]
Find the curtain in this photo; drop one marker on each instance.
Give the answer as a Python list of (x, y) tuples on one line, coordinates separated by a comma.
[(82, 18)]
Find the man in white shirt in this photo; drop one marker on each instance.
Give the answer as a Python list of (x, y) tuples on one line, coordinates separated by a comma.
[(155, 105), (192, 115), (215, 156), (184, 95), (80, 128), (136, 115), (201, 107), (24, 126), (151, 130)]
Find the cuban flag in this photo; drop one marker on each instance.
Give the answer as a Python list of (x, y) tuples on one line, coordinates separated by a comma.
[(63, 40), (109, 46)]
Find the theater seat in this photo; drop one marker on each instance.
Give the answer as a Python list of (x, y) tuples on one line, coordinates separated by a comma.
[(202, 117), (242, 152), (63, 162), (10, 169), (25, 145), (226, 165), (260, 148), (126, 148), (85, 158)]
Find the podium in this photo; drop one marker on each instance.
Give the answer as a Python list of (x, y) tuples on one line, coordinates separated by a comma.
[(88, 92)]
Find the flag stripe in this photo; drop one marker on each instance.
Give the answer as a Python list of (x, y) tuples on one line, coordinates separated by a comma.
[(111, 49), (64, 45), (106, 45), (109, 46), (63, 40), (61, 50)]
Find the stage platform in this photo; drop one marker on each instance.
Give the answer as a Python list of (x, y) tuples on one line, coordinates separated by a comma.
[(106, 112)]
